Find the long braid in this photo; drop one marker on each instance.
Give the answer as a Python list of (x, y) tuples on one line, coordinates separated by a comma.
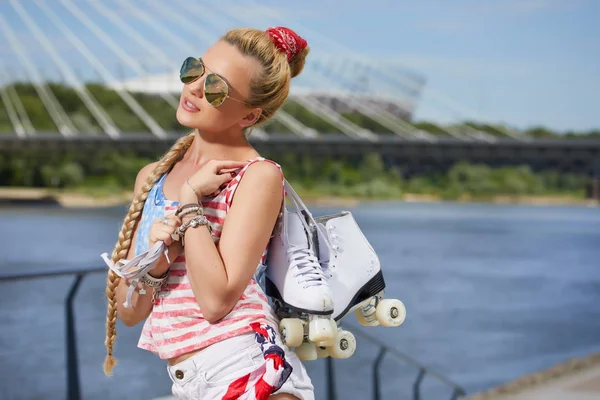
[(125, 236)]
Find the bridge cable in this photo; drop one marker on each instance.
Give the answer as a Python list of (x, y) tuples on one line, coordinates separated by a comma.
[(114, 47), (90, 102), (52, 105), (106, 75), (18, 104), (359, 101), (10, 110)]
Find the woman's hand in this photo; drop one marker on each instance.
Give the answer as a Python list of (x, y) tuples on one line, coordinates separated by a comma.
[(213, 177), (161, 230)]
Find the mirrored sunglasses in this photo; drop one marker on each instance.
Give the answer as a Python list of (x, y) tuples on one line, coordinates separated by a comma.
[(216, 89)]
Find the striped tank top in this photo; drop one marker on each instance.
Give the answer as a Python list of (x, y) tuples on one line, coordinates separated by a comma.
[(176, 325)]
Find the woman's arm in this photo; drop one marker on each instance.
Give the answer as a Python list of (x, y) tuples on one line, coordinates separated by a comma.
[(219, 276)]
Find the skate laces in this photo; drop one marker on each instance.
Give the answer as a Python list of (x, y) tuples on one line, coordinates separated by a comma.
[(299, 204), (133, 270), (306, 265)]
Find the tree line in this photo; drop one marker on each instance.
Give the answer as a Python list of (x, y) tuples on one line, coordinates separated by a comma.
[(107, 172)]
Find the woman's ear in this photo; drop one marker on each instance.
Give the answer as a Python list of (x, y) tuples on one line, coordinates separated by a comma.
[(251, 118)]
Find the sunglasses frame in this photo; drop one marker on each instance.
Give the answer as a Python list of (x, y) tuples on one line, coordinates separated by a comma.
[(210, 74)]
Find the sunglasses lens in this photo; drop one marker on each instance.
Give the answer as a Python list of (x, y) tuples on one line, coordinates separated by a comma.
[(191, 69), (215, 90)]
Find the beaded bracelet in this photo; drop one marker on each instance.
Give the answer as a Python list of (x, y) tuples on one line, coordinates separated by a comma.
[(198, 210), (192, 223), (154, 283), (189, 206)]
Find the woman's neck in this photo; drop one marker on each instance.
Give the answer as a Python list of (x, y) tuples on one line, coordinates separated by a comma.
[(218, 147)]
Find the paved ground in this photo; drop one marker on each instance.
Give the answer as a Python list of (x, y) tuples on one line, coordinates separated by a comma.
[(573, 380), (582, 385), (577, 379)]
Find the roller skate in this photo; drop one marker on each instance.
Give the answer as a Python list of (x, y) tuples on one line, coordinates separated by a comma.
[(355, 279), (296, 284)]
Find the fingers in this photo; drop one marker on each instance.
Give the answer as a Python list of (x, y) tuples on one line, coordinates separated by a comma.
[(163, 228), (162, 236), (231, 171), (227, 164), (223, 180), (170, 221), (221, 188)]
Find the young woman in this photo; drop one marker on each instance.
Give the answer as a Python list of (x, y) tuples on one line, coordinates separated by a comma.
[(214, 202)]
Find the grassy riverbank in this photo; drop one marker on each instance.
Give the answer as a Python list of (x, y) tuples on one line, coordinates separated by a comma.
[(107, 178), (84, 198)]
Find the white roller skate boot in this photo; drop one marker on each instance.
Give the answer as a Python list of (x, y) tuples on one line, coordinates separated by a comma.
[(354, 274), (296, 283), (355, 279)]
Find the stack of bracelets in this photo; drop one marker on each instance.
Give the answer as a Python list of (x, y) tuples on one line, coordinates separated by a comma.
[(199, 219), (137, 270)]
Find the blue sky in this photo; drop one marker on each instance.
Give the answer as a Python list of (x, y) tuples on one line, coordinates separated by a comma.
[(519, 62)]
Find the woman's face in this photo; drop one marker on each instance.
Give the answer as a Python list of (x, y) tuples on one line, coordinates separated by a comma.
[(237, 70)]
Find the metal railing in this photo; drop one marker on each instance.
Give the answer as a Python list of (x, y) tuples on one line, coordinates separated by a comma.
[(384, 350), (71, 353), (73, 386)]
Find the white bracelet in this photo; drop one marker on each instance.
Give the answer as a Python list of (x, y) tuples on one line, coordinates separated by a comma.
[(149, 280), (192, 223)]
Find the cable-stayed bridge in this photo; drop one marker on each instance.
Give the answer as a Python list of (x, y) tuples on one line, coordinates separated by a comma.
[(77, 73)]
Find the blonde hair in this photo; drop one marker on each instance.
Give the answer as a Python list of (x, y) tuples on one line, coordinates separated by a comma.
[(269, 91)]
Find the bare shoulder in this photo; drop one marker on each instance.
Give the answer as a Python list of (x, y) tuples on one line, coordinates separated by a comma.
[(261, 186), (142, 176), (264, 174)]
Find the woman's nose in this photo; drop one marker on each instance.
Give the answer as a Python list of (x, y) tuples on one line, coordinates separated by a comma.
[(197, 87)]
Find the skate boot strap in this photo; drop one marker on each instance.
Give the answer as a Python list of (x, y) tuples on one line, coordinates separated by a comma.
[(133, 270), (300, 206)]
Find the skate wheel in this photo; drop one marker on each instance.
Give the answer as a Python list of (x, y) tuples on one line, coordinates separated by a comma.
[(390, 312), (330, 342), (320, 330), (307, 351), (344, 347), (360, 317), (292, 331)]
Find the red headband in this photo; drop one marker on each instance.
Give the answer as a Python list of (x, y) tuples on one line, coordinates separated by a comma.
[(287, 41)]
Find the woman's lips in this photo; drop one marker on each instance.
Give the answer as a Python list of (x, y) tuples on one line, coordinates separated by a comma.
[(188, 106)]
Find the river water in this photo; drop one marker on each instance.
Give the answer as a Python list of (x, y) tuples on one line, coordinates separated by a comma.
[(492, 292)]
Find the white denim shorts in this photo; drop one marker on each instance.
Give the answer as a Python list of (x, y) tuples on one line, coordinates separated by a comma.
[(209, 373)]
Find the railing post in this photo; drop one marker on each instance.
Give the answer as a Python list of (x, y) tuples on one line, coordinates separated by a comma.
[(457, 392), (376, 380), (73, 388), (417, 384), (330, 379)]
